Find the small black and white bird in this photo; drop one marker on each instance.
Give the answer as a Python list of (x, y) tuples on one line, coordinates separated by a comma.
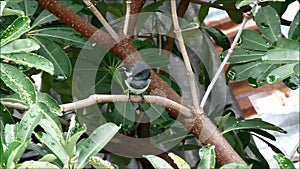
[(137, 77)]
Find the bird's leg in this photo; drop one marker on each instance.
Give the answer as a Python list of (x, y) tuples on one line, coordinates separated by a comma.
[(142, 96)]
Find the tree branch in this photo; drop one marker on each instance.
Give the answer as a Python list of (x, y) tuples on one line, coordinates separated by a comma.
[(186, 59), (221, 67), (182, 7)]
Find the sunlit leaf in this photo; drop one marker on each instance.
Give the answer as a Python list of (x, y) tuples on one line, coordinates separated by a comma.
[(95, 142), (295, 28), (253, 41), (18, 82), (157, 162), (207, 156), (15, 30), (31, 60)]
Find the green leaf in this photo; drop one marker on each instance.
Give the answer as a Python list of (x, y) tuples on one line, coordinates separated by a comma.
[(281, 56), (153, 58), (268, 22), (10, 133), (47, 17), (233, 124), (2, 6), (241, 55), (51, 128), (253, 41), (19, 83), (20, 45), (60, 60), (116, 9), (157, 162), (208, 157), (241, 72), (274, 148), (241, 3), (54, 145), (262, 161), (186, 147), (236, 166), (99, 163), (283, 162), (13, 2), (297, 69), (153, 6), (5, 116), (62, 34), (181, 164), (94, 143), (36, 164), (70, 145), (203, 12), (29, 7), (295, 28), (236, 17), (8, 11), (13, 152), (218, 37), (50, 102), (258, 76), (30, 120), (293, 82), (124, 115), (280, 73), (20, 26), (30, 60), (48, 158)]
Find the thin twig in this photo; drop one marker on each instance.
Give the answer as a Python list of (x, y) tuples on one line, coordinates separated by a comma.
[(97, 98), (110, 30), (190, 73), (220, 69), (126, 22)]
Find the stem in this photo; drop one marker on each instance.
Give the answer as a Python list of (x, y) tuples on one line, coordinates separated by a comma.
[(126, 22), (97, 98), (110, 30), (190, 73), (220, 69)]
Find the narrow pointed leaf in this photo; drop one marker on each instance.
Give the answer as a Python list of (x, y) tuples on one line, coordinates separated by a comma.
[(268, 22), (54, 53), (181, 164), (208, 157), (280, 73), (36, 164), (20, 45), (241, 55), (18, 82), (157, 162), (240, 124), (50, 102), (54, 146), (283, 162), (46, 17), (241, 72), (95, 142), (63, 34), (253, 41), (30, 120), (15, 30), (31, 60), (295, 28)]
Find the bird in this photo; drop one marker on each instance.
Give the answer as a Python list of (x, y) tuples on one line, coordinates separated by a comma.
[(137, 78)]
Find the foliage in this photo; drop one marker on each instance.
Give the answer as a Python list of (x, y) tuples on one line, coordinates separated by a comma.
[(34, 41), (267, 58)]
